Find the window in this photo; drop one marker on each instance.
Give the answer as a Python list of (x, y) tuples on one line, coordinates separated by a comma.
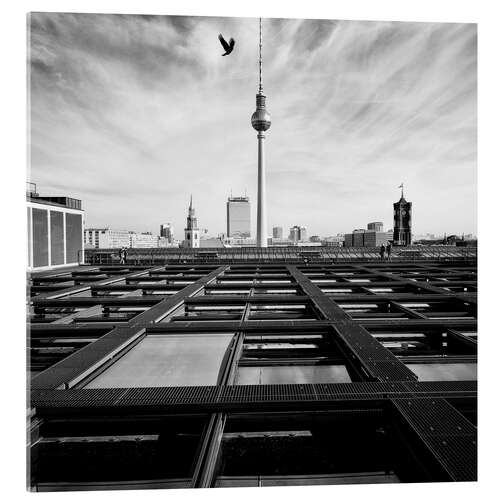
[(115, 454), (428, 372), (167, 360), (297, 450), (313, 374)]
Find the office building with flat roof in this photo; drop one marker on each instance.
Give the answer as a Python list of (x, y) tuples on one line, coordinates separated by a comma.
[(375, 226), (238, 217), (364, 238), (167, 231), (105, 237), (297, 233)]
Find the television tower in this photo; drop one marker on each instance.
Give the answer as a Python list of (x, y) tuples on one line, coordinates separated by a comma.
[(261, 121)]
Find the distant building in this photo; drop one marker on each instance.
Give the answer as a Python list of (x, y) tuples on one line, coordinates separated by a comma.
[(167, 231), (402, 221), (55, 230), (143, 240), (191, 232), (375, 226), (106, 237), (119, 238), (164, 243), (213, 243), (466, 243), (238, 217), (315, 239), (240, 242), (278, 232), (366, 238), (297, 233), (280, 242), (333, 241)]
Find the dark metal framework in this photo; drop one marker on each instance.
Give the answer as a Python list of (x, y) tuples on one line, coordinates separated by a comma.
[(279, 255), (401, 334)]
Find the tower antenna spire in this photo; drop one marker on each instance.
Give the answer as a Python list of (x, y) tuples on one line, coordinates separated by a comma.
[(260, 56)]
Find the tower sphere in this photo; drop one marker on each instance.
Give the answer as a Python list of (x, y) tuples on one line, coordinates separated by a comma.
[(261, 120)]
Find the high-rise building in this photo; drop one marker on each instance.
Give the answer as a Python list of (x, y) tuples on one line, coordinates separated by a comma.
[(298, 233), (357, 238), (238, 217), (261, 121), (167, 231), (278, 232), (402, 221), (191, 232), (375, 226), (294, 234)]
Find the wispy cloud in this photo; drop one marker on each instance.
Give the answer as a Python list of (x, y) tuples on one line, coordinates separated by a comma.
[(134, 113)]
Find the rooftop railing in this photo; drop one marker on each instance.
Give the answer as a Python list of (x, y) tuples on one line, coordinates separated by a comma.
[(156, 256)]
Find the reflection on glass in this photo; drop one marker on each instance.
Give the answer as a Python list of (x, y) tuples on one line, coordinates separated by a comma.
[(444, 371), (332, 452), (167, 361), (117, 455), (314, 374)]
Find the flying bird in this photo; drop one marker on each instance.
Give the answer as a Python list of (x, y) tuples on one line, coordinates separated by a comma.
[(228, 47)]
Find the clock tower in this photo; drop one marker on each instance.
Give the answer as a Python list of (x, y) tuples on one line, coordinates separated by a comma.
[(402, 221)]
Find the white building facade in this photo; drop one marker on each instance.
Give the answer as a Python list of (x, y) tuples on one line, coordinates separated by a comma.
[(55, 232)]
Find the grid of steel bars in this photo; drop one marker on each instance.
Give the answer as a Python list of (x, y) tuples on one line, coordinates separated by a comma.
[(103, 312)]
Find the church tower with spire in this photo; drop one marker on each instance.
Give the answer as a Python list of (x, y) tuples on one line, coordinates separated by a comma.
[(402, 221), (191, 232)]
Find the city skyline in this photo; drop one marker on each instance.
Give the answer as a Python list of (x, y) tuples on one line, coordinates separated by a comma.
[(366, 106)]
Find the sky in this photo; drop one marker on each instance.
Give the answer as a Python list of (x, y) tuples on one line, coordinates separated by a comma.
[(133, 114)]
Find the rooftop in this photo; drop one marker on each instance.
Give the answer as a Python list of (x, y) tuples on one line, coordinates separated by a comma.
[(384, 354)]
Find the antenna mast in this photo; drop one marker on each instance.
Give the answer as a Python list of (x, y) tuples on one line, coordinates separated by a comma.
[(260, 55)]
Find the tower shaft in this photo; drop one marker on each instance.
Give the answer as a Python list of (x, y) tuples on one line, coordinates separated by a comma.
[(261, 196)]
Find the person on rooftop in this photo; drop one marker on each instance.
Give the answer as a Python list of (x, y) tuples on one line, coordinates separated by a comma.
[(382, 252)]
